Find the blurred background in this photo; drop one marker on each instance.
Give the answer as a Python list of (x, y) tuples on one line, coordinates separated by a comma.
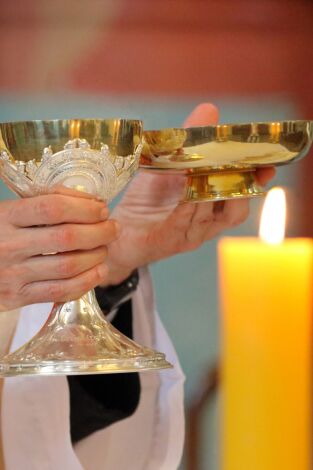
[(155, 60)]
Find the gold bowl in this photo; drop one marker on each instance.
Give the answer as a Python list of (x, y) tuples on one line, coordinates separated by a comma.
[(220, 162)]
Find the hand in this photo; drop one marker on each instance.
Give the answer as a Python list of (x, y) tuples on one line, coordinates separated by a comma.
[(71, 224), (155, 225)]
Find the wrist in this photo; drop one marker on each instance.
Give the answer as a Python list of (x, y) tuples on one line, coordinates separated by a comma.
[(116, 276), (118, 271), (112, 296)]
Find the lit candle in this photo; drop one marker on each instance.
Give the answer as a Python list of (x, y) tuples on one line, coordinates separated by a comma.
[(266, 367)]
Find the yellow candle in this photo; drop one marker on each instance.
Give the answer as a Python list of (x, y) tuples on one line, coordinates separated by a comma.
[(267, 309)]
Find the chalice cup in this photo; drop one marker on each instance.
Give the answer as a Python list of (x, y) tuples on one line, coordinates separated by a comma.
[(98, 156), (220, 162)]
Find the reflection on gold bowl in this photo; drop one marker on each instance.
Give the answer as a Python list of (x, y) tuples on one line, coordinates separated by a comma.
[(220, 161)]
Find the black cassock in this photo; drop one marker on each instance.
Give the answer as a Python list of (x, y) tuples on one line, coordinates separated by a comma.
[(96, 401)]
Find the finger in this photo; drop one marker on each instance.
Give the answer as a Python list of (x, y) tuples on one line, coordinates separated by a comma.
[(234, 212), (177, 224), (60, 266), (59, 189), (54, 209), (65, 289), (230, 214), (201, 223), (264, 175), (180, 218), (66, 237), (204, 114)]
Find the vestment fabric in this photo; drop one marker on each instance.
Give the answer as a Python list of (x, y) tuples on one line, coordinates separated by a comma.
[(36, 410)]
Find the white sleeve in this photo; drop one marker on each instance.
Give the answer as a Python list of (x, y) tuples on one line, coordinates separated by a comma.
[(35, 415)]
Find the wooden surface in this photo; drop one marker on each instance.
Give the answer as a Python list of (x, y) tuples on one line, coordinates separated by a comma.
[(195, 417)]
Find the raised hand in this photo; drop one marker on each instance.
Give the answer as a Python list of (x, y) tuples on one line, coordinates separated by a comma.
[(155, 225)]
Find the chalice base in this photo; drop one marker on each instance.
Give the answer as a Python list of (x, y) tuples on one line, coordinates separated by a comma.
[(221, 185), (77, 339)]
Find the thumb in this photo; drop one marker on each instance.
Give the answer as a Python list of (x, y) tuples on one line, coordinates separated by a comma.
[(205, 114)]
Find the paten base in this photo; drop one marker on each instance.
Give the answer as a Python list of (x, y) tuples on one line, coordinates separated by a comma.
[(217, 186)]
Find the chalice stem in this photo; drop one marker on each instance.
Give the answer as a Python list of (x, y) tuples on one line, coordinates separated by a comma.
[(77, 339)]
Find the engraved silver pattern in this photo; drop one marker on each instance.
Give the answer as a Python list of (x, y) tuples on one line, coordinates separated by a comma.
[(77, 166)]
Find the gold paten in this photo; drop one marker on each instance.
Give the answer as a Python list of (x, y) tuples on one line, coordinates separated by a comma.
[(220, 162)]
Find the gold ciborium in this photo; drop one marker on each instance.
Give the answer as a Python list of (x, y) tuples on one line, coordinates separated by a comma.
[(97, 156), (220, 162)]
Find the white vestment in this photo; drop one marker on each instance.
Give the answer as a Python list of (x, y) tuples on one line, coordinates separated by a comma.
[(35, 410)]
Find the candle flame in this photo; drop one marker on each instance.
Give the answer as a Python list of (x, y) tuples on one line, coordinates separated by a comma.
[(273, 218)]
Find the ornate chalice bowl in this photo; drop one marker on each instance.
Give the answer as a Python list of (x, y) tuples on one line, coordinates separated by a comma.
[(98, 156), (220, 162)]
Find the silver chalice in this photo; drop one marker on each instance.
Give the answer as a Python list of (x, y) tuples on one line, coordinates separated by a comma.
[(98, 156)]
